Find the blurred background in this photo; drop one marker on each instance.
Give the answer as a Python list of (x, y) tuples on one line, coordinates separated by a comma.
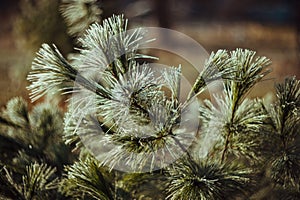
[(270, 27)]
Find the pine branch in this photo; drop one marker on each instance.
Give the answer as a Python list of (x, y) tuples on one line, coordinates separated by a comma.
[(194, 179), (103, 47), (110, 46), (233, 124), (85, 177), (38, 183), (33, 135), (7, 188), (50, 69), (131, 120), (144, 185), (285, 118), (79, 14), (171, 79), (38, 180), (136, 98), (218, 66), (249, 70)]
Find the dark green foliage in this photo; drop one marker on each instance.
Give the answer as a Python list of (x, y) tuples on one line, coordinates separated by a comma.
[(28, 138), (285, 194), (35, 135), (145, 185), (85, 180), (195, 179), (38, 182), (285, 126)]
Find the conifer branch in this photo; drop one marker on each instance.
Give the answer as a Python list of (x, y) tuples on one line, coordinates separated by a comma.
[(218, 66), (79, 14), (285, 118), (84, 177), (194, 179), (234, 118), (38, 182)]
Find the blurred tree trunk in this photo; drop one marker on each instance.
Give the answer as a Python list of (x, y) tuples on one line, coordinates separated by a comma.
[(162, 9), (297, 21)]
